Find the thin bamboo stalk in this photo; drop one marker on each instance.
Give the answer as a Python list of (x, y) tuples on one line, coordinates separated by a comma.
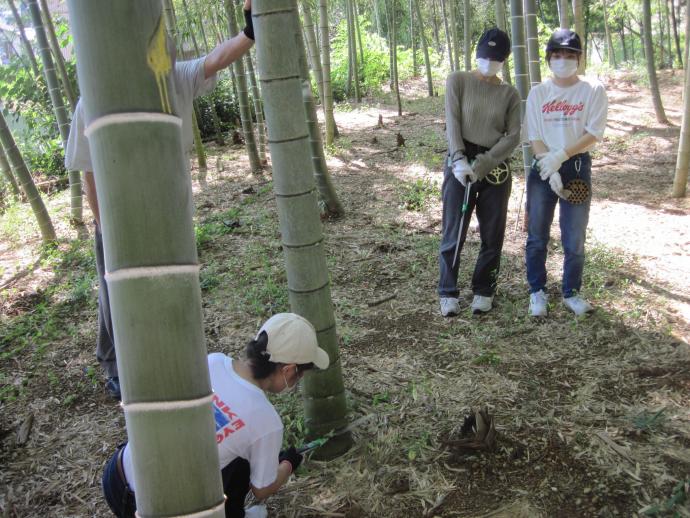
[(425, 48), (241, 81), (326, 67), (530, 13), (61, 117), (7, 173), (301, 234), (57, 54), (21, 173), (25, 41), (501, 24)]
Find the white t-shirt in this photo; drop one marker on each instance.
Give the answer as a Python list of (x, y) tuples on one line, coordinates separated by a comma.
[(247, 425), (560, 116), (189, 82)]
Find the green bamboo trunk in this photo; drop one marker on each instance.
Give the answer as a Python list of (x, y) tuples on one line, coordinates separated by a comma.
[(649, 58), (21, 173), (241, 81), (145, 197), (530, 12), (320, 168), (467, 34), (454, 33), (355, 10), (413, 43), (25, 41), (312, 45), (425, 48), (680, 180), (579, 23), (501, 24), (258, 107), (300, 226), (517, 26), (353, 40), (449, 43), (57, 53), (58, 107), (7, 173), (326, 67), (394, 71)]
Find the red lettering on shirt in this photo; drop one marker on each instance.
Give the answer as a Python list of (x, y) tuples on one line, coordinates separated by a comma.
[(563, 107), (238, 424)]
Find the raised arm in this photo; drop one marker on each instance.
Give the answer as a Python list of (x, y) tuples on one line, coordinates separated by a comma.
[(233, 49)]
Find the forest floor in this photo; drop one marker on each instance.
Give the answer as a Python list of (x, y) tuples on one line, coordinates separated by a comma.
[(592, 414)]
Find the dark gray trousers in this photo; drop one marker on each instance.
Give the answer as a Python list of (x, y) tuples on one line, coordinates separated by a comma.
[(491, 202), (105, 343)]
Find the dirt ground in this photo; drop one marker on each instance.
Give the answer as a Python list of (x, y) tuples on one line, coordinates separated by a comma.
[(592, 415)]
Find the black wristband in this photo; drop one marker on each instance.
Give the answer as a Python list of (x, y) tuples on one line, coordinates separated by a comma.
[(249, 25)]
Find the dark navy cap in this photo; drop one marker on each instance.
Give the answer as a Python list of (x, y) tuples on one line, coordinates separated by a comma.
[(494, 44), (564, 39)]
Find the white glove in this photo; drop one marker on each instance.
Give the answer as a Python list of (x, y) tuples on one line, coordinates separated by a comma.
[(463, 172), (550, 163), (556, 184)]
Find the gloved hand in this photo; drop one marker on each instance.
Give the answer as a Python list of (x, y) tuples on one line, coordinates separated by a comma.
[(290, 455), (550, 163), (556, 184), (463, 172), (483, 164)]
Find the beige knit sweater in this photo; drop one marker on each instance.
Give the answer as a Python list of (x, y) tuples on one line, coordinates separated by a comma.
[(482, 113)]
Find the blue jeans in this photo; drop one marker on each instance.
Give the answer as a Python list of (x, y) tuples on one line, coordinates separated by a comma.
[(122, 501), (541, 204)]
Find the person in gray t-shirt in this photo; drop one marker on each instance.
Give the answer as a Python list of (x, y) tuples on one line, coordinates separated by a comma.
[(190, 80), (483, 129)]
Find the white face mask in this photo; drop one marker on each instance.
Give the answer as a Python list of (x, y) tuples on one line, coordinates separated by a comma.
[(562, 67), (488, 67)]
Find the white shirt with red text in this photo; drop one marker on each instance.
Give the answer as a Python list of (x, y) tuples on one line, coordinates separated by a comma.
[(560, 116), (247, 425)]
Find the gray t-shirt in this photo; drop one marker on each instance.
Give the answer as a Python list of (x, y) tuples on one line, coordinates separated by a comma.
[(189, 82)]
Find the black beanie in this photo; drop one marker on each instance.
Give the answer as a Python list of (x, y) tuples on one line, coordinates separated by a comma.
[(494, 44)]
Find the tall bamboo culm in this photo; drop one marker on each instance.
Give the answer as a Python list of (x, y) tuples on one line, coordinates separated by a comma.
[(313, 48), (22, 175), (57, 54), (145, 196), (394, 47), (449, 43), (579, 26), (58, 107), (467, 34), (425, 49), (517, 29), (323, 179), (530, 7), (241, 79), (300, 225), (258, 107), (651, 66), (680, 180), (7, 173), (501, 24), (25, 41), (331, 130), (452, 10)]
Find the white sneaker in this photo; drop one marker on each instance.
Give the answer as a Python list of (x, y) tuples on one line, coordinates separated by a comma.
[(538, 302), (578, 305), (449, 306), (482, 304), (256, 511)]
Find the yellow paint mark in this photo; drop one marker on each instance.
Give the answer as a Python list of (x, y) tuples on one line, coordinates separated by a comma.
[(160, 63)]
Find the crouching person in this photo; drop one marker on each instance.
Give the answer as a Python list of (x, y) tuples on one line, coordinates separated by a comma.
[(249, 431)]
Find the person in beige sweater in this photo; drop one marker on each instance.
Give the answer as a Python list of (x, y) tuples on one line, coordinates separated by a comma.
[(483, 129)]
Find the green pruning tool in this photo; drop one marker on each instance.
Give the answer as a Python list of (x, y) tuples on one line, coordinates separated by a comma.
[(317, 443), (465, 204)]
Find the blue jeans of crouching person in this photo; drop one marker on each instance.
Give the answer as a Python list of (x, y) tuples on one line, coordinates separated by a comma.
[(573, 218), (123, 504)]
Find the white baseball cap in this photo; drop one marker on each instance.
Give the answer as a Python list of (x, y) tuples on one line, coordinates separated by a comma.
[(292, 339)]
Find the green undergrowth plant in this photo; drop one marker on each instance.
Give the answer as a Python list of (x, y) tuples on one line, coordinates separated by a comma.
[(417, 195)]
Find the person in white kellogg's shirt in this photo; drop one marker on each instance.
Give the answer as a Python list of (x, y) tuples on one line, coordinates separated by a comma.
[(249, 431), (565, 117)]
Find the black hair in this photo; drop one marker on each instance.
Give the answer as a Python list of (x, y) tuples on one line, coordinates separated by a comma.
[(259, 360), (549, 53)]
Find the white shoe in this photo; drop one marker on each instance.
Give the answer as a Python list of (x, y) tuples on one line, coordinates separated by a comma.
[(538, 303), (482, 304), (578, 305), (256, 511), (449, 306)]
